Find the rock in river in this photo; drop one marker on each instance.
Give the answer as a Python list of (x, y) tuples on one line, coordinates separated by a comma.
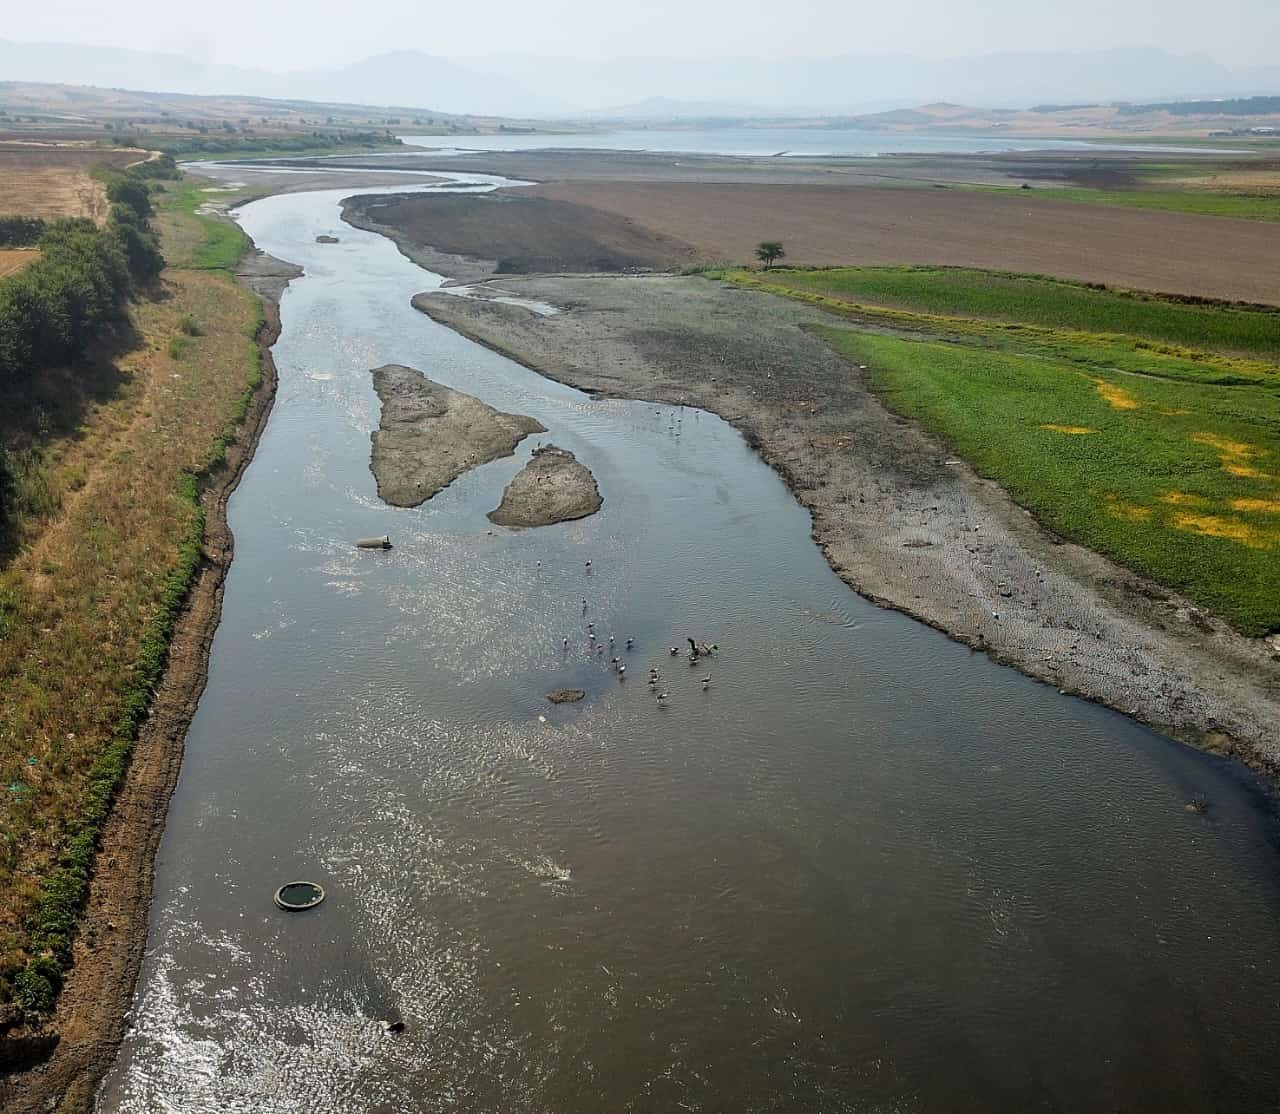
[(430, 435), (552, 487)]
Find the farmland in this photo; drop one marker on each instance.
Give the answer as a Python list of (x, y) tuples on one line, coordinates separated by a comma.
[(50, 181), (12, 260)]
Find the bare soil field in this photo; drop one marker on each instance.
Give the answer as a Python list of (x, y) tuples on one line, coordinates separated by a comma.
[(1172, 252), (518, 234), (48, 181), (12, 260)]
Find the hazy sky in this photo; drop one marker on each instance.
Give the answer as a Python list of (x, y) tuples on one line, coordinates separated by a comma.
[(287, 34)]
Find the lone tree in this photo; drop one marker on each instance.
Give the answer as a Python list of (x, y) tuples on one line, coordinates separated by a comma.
[(769, 252)]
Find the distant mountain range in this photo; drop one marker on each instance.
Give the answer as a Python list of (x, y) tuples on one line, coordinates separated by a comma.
[(656, 88)]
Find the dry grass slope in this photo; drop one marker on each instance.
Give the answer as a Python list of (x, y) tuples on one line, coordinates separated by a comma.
[(77, 601)]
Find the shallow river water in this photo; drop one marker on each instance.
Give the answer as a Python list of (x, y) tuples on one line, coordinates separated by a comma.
[(865, 870)]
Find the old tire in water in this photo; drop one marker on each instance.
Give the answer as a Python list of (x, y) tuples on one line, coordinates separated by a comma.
[(293, 897)]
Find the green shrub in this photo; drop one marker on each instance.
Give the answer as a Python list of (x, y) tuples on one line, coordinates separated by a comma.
[(131, 193), (20, 232)]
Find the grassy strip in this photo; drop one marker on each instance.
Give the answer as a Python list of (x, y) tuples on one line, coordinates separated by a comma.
[(223, 242), (74, 775), (1123, 353), (1053, 303), (1174, 479), (1243, 206), (56, 917)]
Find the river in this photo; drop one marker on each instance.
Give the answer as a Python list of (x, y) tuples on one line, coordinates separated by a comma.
[(745, 140), (865, 870)]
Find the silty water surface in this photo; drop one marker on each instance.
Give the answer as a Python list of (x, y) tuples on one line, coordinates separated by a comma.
[(864, 870)]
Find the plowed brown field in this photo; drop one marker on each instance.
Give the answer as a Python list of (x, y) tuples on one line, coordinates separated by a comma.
[(12, 260), (1144, 249)]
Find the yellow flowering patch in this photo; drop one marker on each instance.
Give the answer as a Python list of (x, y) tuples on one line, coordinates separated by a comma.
[(1116, 397), (1259, 506), (1230, 528), (1071, 429), (1128, 512), (1234, 455), (1183, 499)]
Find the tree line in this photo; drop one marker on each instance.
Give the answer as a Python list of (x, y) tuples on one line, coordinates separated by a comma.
[(53, 308), (20, 232)]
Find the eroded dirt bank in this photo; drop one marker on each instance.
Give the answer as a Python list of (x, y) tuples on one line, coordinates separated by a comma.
[(90, 1019), (896, 516), (553, 487), (429, 435)]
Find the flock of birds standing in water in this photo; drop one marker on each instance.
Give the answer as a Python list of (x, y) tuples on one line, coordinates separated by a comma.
[(698, 651)]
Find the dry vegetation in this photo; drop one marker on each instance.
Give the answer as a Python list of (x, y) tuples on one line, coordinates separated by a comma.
[(48, 181), (12, 260), (115, 442)]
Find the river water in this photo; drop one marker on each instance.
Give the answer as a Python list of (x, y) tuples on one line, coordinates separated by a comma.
[(864, 870), (764, 140)]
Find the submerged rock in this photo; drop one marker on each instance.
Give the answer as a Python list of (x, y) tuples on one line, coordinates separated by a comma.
[(566, 696), (552, 487), (429, 435)]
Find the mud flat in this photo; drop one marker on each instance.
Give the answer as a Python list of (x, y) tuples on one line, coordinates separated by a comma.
[(898, 519), (553, 487), (473, 236), (430, 435)]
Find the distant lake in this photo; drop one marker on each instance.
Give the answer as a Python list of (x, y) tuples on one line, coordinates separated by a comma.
[(762, 141)]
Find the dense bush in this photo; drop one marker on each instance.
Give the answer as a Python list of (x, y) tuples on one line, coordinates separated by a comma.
[(20, 232), (51, 309), (131, 193), (162, 166), (139, 244)]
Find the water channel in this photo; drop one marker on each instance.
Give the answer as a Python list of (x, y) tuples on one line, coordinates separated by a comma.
[(865, 870)]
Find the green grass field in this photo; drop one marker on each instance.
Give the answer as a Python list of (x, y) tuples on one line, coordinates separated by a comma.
[(209, 244), (1246, 206), (1177, 480), (1090, 408), (1052, 303)]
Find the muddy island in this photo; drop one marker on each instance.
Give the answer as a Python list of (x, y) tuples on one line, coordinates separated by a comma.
[(552, 487), (429, 435)]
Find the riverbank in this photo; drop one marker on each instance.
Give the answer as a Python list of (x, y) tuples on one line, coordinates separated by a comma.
[(69, 1052), (898, 519)]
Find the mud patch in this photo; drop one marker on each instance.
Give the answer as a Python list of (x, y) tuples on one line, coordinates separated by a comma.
[(429, 435)]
